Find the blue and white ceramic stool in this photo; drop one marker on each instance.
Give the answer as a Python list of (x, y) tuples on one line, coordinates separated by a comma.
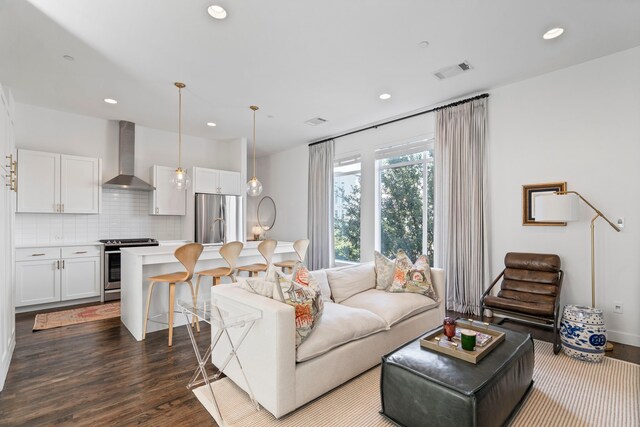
[(582, 333)]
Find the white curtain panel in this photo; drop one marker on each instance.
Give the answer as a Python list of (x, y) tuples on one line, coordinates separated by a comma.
[(460, 195), (320, 214)]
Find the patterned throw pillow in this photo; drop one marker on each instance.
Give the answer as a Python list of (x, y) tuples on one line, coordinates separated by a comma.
[(303, 293), (385, 269), (411, 277)]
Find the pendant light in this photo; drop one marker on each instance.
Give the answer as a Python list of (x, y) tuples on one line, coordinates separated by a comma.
[(254, 187), (180, 179)]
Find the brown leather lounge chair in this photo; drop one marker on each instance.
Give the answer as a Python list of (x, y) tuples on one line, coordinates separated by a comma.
[(529, 292)]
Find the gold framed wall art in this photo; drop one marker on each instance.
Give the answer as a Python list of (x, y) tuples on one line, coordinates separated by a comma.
[(529, 194)]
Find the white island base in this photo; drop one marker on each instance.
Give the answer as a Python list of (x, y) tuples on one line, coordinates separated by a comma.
[(138, 264)]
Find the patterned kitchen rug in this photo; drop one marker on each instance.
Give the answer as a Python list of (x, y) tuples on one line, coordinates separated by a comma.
[(566, 392), (57, 319)]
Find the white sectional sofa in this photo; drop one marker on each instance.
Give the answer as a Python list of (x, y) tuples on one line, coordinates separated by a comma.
[(349, 339)]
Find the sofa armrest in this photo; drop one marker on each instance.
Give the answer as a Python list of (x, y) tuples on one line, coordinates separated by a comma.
[(268, 353)]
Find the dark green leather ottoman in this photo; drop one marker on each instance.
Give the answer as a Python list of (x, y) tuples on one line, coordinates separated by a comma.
[(420, 387)]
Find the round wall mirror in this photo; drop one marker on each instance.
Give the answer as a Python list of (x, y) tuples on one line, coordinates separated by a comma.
[(266, 213)]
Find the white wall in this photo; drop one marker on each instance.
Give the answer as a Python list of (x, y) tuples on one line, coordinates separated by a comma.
[(285, 178), (125, 213), (580, 125)]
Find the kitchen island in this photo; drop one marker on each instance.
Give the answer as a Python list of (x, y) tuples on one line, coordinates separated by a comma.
[(140, 263)]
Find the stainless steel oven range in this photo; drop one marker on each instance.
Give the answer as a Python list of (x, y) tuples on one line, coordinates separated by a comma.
[(112, 247)]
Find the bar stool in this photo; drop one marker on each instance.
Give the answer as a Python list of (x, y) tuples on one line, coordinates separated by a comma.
[(230, 252), (266, 249), (300, 246), (188, 256)]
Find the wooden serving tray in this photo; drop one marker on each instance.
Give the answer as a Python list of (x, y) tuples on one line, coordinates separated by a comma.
[(437, 341)]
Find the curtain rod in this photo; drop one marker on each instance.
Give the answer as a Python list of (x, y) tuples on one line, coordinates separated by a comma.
[(453, 104)]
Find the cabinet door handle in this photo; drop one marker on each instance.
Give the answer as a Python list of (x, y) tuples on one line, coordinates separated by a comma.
[(58, 265), (157, 210), (62, 263), (79, 252), (37, 254), (62, 207)]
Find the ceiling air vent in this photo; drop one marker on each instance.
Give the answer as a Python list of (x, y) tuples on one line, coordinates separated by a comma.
[(453, 70), (315, 121)]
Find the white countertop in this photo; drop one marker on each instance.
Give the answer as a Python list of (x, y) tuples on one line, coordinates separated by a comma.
[(169, 249), (61, 245)]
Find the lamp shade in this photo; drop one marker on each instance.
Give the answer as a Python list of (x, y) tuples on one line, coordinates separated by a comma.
[(556, 207)]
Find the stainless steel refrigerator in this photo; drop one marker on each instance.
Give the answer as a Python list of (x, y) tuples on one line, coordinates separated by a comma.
[(219, 218)]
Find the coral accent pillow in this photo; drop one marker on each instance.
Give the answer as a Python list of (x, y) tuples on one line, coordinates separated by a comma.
[(413, 277), (303, 293)]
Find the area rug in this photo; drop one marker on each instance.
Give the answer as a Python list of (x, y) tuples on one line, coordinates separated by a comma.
[(74, 316), (567, 392)]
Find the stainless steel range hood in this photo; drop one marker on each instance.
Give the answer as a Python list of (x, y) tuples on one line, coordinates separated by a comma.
[(126, 180)]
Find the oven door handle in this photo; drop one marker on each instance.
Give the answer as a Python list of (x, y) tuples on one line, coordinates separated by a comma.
[(112, 252)]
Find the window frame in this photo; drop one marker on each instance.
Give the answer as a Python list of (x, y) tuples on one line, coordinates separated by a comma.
[(346, 161), (396, 150)]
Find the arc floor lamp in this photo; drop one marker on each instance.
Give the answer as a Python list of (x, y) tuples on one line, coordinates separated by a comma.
[(563, 206)]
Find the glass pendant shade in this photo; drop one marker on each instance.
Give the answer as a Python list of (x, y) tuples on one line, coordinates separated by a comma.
[(254, 187), (180, 179)]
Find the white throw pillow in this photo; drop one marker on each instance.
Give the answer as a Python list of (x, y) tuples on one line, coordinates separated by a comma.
[(385, 269), (347, 282), (257, 285), (323, 282)]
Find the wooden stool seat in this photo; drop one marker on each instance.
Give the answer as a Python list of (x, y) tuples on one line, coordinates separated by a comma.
[(188, 256), (253, 269), (300, 246), (179, 276), (230, 252), (216, 272), (266, 249), (286, 264)]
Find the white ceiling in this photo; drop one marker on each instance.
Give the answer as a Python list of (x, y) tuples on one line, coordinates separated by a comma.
[(295, 59)]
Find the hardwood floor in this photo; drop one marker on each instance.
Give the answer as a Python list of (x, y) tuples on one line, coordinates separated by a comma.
[(97, 374)]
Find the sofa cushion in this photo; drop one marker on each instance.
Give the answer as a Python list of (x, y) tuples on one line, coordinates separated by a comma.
[(385, 269), (339, 325), (323, 283), (349, 281), (392, 307)]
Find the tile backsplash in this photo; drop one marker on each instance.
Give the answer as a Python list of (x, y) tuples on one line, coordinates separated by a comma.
[(125, 214)]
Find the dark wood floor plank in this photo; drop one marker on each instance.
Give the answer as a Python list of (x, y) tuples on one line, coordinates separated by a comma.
[(97, 374)]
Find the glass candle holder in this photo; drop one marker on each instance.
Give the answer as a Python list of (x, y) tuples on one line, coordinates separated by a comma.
[(449, 325)]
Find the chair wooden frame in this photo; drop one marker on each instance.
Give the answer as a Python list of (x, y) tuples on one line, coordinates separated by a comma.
[(266, 248), (230, 253), (300, 246), (188, 256), (529, 318)]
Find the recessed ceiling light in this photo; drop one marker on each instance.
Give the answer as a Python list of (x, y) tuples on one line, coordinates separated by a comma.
[(553, 33), (110, 101), (211, 124), (217, 12), (69, 57), (423, 44), (385, 96)]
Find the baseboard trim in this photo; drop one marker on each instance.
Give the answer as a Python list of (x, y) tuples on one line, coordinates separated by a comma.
[(624, 338), (59, 304), (7, 362)]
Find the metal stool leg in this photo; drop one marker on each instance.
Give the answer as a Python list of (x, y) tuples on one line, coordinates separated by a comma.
[(146, 313)]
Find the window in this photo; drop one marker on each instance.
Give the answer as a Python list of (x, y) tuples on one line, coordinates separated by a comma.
[(405, 199), (346, 217)]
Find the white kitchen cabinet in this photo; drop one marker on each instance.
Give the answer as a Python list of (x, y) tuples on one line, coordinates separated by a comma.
[(166, 199), (38, 181), (79, 184), (37, 282), (7, 248), (54, 274), (213, 181), (51, 182), (80, 278)]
